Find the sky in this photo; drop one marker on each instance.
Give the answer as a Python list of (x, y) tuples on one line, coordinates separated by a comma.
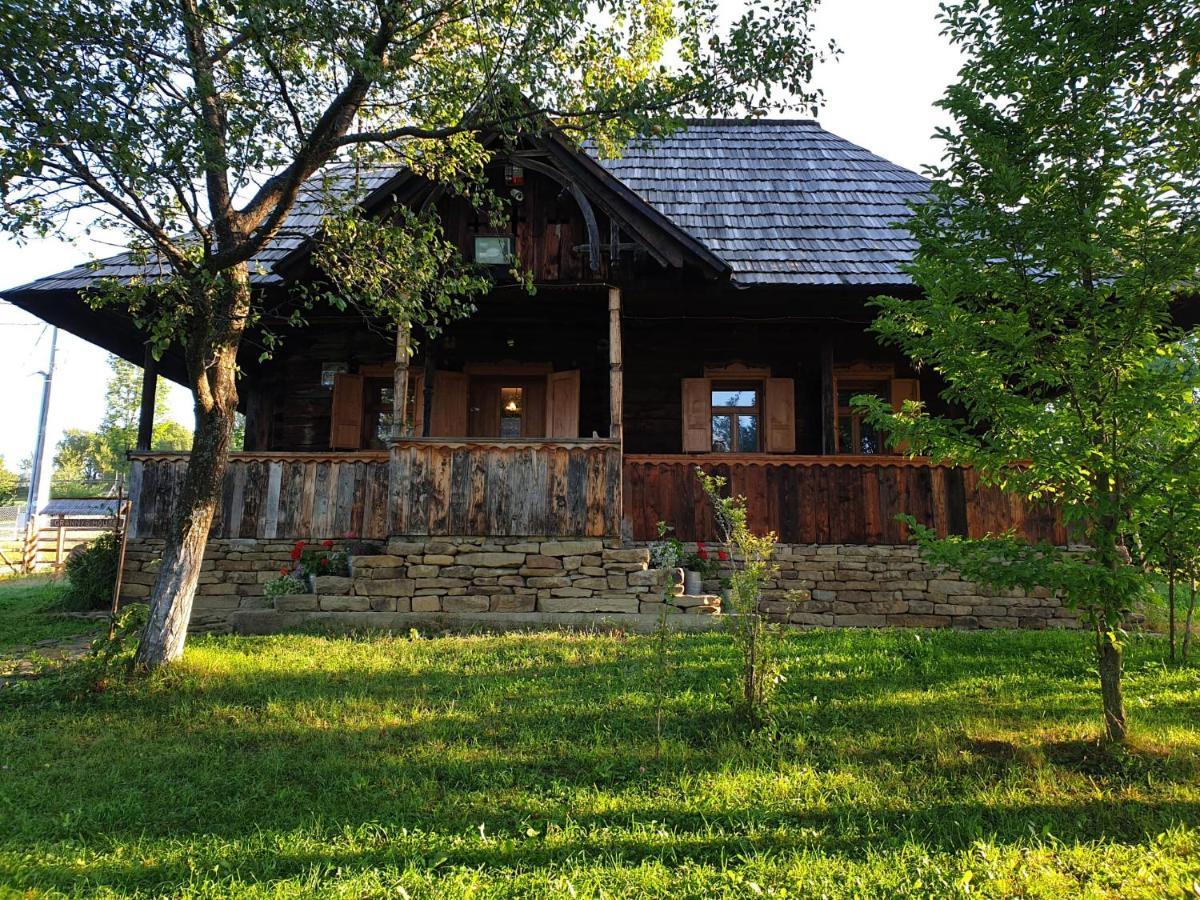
[(878, 93)]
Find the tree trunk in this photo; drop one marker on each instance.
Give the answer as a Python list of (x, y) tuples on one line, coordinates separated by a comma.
[(1108, 652), (1187, 622), (211, 354), (1171, 607)]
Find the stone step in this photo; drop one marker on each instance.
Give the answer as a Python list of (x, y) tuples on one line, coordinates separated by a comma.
[(272, 621)]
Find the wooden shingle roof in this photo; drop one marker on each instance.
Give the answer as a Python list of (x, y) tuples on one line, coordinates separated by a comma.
[(781, 201)]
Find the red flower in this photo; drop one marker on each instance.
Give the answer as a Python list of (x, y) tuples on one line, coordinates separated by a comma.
[(700, 551), (283, 570), (324, 561), (722, 555), (327, 544)]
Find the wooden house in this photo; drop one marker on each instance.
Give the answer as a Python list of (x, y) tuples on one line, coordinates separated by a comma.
[(701, 300)]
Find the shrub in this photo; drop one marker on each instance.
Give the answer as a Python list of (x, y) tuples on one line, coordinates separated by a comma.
[(286, 583), (92, 574)]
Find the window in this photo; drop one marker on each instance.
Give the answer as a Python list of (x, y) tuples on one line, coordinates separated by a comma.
[(493, 251), (853, 434), (512, 409), (736, 414), (377, 412)]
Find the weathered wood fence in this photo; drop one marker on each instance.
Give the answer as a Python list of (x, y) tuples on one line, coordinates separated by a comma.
[(270, 495), (569, 488), (827, 500)]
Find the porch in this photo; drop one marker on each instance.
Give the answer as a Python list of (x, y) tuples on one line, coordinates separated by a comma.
[(577, 488)]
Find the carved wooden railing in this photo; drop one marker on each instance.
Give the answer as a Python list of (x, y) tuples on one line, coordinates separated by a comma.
[(535, 487), (428, 487), (283, 496), (826, 499)]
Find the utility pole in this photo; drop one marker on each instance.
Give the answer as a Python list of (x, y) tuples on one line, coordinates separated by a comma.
[(39, 477)]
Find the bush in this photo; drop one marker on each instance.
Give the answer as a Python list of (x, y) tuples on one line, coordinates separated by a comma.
[(91, 574)]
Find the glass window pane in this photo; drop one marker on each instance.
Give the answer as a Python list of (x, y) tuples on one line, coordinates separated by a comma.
[(747, 433), (739, 397), (870, 439), (383, 428), (845, 435), (722, 433)]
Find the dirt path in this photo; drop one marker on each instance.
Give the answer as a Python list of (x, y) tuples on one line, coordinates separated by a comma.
[(25, 662)]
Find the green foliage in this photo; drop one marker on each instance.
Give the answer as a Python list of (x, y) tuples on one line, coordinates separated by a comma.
[(286, 583), (92, 574), (8, 484), (750, 568), (520, 766), (83, 456), (1061, 227), (29, 608)]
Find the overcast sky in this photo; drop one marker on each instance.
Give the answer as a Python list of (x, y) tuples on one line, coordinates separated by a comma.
[(879, 93)]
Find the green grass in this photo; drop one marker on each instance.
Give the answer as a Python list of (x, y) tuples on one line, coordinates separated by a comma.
[(902, 764), (28, 613)]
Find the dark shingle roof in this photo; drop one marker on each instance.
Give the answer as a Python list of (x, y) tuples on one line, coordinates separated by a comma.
[(299, 226), (781, 201)]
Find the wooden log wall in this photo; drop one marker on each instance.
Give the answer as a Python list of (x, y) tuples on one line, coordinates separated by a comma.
[(823, 500), (271, 495), (558, 488)]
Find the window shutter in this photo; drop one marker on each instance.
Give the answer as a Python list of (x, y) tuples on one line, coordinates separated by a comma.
[(904, 389), (345, 431), (779, 413), (448, 416), (562, 404), (697, 415)]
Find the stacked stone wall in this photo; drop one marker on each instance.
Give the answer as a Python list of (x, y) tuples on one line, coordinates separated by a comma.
[(815, 585)]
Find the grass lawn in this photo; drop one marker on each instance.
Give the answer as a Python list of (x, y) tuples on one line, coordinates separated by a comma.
[(902, 764), (28, 608)]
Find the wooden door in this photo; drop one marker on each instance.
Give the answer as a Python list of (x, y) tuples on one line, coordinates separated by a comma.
[(451, 396), (562, 404), (346, 417), (697, 415)]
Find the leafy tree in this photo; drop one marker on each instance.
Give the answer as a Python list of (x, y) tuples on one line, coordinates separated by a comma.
[(194, 125), (101, 455), (8, 484), (1061, 228)]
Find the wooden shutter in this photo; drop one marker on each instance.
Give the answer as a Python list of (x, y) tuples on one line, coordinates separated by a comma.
[(779, 413), (562, 404), (448, 417), (346, 424), (697, 415), (904, 389)]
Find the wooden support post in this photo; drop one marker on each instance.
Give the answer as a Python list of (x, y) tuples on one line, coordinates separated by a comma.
[(828, 400), (123, 509), (427, 400), (400, 381), (59, 546), (616, 378), (145, 433)]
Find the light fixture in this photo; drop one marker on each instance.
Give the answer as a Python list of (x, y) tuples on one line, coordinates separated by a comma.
[(331, 370), (511, 406), (493, 250)]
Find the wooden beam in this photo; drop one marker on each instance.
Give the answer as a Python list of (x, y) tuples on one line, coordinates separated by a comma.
[(145, 433), (828, 400), (400, 380), (616, 376)]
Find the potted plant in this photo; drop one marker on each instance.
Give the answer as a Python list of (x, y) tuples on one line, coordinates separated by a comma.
[(700, 567), (667, 553)]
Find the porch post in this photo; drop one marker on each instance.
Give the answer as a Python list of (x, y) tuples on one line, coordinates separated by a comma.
[(145, 432), (400, 379), (828, 409), (616, 387)]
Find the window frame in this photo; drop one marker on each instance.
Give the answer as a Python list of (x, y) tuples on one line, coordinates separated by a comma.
[(863, 378), (734, 412)]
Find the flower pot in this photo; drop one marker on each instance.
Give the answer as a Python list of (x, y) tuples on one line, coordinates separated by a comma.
[(693, 583), (675, 580)]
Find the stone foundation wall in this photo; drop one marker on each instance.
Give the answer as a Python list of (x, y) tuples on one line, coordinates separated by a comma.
[(816, 586)]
